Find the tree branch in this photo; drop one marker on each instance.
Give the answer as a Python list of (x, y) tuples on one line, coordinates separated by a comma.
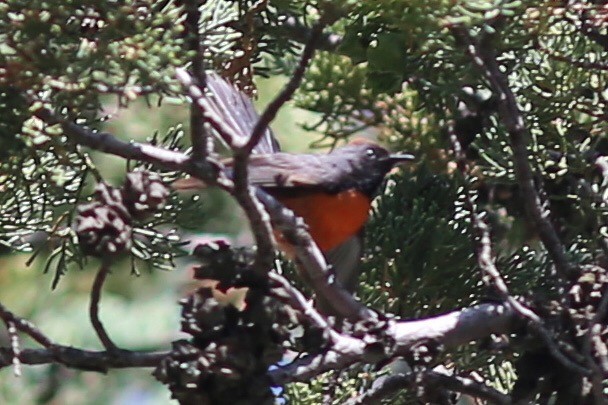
[(513, 120), (306, 250), (492, 276), (294, 30), (25, 326), (299, 302), (201, 141), (107, 143), (450, 330), (68, 356), (483, 243), (100, 278), (88, 360), (259, 220), (287, 92), (15, 347), (389, 385)]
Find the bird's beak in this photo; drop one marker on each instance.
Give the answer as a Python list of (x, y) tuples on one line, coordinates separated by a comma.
[(397, 158)]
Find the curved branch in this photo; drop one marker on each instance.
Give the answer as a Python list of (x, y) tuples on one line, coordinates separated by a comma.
[(287, 92), (100, 278), (294, 30), (512, 118), (68, 356)]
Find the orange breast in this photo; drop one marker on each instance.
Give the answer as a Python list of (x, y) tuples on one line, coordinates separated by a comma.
[(331, 218)]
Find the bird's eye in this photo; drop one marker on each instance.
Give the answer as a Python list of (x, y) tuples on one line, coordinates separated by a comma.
[(370, 152)]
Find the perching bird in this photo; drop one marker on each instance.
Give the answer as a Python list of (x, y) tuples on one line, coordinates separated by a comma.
[(331, 192)]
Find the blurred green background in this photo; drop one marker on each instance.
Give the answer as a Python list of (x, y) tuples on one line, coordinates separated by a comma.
[(138, 312)]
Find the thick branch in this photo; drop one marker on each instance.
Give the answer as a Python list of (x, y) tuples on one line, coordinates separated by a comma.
[(87, 360), (450, 330)]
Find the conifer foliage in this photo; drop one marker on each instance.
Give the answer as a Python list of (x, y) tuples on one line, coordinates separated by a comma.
[(484, 272)]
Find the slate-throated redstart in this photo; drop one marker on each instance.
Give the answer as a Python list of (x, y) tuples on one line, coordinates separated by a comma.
[(331, 192)]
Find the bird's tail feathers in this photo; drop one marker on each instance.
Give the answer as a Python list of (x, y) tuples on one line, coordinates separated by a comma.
[(237, 111)]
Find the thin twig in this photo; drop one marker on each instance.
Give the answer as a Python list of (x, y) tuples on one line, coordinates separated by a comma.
[(54, 353), (15, 347), (26, 327), (294, 30), (493, 277), (389, 385), (209, 113), (100, 278), (513, 120), (485, 258), (287, 92)]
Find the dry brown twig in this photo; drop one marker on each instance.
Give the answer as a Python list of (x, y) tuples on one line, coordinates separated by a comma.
[(100, 278)]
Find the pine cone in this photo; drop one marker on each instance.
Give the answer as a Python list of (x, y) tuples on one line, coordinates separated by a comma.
[(584, 296), (202, 315), (144, 193), (104, 226)]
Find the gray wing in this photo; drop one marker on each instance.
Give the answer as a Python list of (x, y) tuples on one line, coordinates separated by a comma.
[(286, 170), (237, 111)]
